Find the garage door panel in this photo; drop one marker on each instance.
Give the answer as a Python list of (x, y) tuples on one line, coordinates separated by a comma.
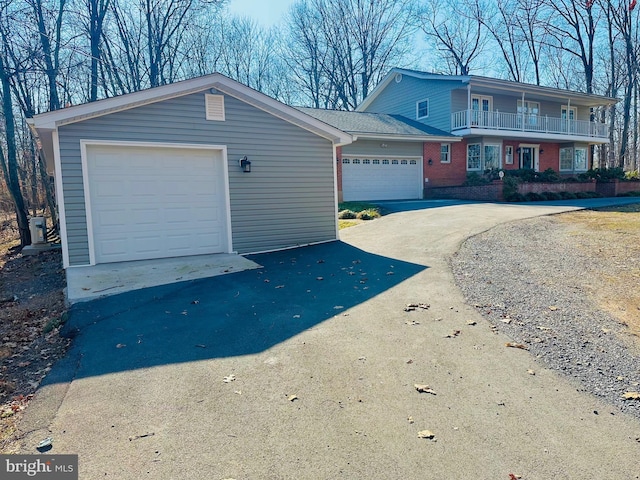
[(366, 178), (156, 202)]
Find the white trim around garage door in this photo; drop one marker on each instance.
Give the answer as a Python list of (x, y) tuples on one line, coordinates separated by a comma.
[(85, 180), (417, 185)]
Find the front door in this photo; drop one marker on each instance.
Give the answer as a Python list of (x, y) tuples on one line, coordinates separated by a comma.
[(529, 157), (480, 108)]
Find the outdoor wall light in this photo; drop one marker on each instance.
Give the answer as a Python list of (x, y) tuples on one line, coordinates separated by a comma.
[(518, 150), (430, 162), (245, 164), (542, 150)]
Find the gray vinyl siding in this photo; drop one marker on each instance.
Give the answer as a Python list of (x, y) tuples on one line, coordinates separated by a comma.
[(373, 149), (401, 98), (288, 199)]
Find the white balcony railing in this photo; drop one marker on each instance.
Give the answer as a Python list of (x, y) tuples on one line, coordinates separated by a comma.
[(527, 123)]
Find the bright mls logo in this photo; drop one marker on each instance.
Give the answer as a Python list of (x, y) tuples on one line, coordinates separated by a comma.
[(50, 467)]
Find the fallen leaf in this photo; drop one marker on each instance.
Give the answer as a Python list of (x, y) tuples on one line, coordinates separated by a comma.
[(229, 379), (619, 378), (553, 308), (516, 345), (279, 286), (338, 307), (631, 396), (426, 434), (292, 398), (195, 302), (411, 322), (531, 372), (409, 362), (506, 320), (296, 316), (389, 273), (319, 278), (471, 322), (238, 392), (142, 436), (200, 345), (410, 419), (424, 389), (514, 477), (453, 334), (120, 345)]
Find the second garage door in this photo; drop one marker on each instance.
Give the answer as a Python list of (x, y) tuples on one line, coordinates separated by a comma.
[(156, 202), (366, 178)]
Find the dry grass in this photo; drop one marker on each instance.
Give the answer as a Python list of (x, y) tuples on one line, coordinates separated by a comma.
[(611, 237)]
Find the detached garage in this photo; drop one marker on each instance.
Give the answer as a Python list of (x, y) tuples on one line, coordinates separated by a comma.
[(202, 166)]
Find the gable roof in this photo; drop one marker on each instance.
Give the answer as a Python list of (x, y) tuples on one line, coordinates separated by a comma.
[(492, 84), (51, 120), (380, 126)]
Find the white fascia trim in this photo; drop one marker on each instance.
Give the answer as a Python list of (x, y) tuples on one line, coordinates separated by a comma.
[(551, 137), (285, 112), (195, 146), (405, 138), (78, 113), (506, 85), (62, 215)]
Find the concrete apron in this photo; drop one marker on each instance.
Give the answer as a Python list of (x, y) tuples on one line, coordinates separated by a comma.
[(91, 282)]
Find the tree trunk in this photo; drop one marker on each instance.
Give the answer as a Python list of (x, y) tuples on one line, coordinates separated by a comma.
[(12, 159)]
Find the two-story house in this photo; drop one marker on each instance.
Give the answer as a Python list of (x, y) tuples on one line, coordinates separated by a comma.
[(492, 124)]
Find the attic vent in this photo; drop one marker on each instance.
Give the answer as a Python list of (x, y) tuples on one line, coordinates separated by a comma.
[(215, 107)]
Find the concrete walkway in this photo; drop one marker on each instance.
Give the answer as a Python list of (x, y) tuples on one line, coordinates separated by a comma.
[(305, 369)]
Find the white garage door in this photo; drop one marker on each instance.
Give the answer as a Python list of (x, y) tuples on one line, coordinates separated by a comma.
[(366, 178), (156, 202)]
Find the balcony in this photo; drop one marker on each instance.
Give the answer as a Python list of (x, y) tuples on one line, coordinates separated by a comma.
[(537, 126)]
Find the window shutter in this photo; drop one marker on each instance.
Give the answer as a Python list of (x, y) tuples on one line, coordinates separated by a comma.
[(215, 107)]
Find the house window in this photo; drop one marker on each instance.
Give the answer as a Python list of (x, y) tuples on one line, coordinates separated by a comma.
[(530, 112), (566, 159), (413, 162), (366, 161), (473, 156), (385, 162), (573, 159), (422, 109), (346, 160), (508, 155), (355, 161), (581, 159), (376, 162), (491, 157), (404, 162), (394, 162), (445, 153)]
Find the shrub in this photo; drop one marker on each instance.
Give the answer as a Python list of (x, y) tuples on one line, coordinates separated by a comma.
[(510, 189), (526, 175), (549, 176), (568, 195), (633, 175), (367, 214), (515, 197), (603, 174), (630, 194), (346, 214), (553, 196), (533, 197), (475, 180)]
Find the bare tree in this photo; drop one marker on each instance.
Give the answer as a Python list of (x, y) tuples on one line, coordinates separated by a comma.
[(457, 33), (351, 43), (573, 28)]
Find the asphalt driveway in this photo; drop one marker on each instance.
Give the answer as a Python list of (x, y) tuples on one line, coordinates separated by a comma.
[(306, 369)]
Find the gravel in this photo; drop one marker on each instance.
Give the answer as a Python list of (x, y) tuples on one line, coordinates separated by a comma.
[(532, 283)]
